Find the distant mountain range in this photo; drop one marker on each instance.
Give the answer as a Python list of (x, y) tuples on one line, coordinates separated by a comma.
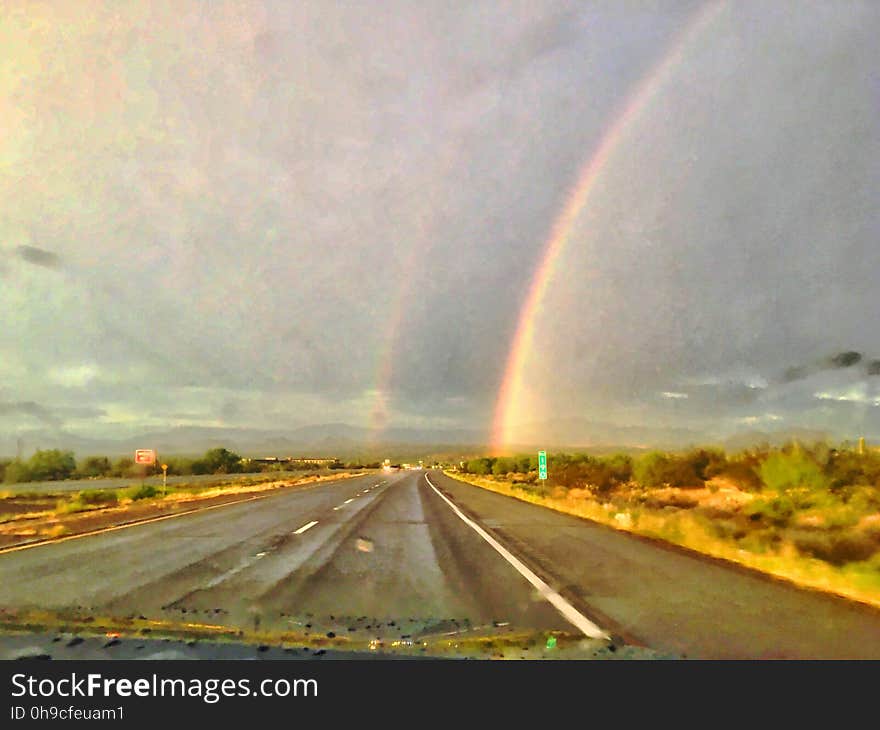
[(331, 439), (346, 441)]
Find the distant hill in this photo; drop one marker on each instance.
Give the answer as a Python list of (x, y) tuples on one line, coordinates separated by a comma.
[(332, 439), (751, 439), (353, 442), (585, 433)]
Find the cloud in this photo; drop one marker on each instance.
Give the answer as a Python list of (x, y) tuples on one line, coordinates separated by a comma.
[(383, 191), (763, 418), (54, 417), (38, 257), (76, 376), (838, 361)]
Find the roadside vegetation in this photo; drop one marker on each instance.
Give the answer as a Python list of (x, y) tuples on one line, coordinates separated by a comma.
[(54, 464), (809, 513)]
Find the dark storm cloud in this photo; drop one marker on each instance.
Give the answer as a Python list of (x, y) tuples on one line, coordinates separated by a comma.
[(48, 416), (838, 361), (38, 257), (29, 408)]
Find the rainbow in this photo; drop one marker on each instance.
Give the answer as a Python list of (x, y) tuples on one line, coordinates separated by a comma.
[(380, 413), (508, 404)]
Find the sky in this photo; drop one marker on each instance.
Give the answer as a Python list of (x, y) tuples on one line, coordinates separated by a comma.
[(273, 214)]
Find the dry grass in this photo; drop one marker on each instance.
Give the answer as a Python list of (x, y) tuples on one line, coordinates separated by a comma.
[(629, 511)]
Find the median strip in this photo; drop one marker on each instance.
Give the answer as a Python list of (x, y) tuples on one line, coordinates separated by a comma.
[(568, 612), (265, 493), (112, 528)]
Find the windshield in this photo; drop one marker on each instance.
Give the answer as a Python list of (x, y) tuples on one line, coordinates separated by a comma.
[(542, 330)]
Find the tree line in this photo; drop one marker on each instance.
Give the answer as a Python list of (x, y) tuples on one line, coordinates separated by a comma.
[(56, 464), (818, 466)]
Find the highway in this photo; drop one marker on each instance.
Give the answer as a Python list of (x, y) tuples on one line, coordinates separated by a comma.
[(416, 552)]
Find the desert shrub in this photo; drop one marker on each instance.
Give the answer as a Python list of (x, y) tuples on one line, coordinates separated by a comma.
[(98, 496), (480, 467), (784, 472), (758, 541), (621, 466), (727, 529), (849, 468), (143, 491), (51, 464), (777, 511), (64, 507), (742, 474), (17, 472), (179, 465), (657, 469), (834, 546), (505, 465), (94, 466), (706, 463), (124, 467)]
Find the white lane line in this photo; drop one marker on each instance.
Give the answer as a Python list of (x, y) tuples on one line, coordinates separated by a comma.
[(569, 612), (337, 508), (305, 527), (348, 500)]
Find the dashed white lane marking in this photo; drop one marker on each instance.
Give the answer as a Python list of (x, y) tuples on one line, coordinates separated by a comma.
[(305, 527), (137, 523), (569, 612), (348, 500)]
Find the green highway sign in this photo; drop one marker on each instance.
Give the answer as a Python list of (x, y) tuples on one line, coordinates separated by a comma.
[(542, 465)]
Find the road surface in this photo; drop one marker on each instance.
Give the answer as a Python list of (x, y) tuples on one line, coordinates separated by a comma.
[(389, 551)]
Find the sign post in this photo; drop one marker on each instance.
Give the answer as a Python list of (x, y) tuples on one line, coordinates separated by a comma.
[(542, 467), (164, 478), (145, 457)]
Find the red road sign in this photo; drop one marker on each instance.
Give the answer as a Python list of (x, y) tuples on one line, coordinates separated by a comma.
[(145, 456)]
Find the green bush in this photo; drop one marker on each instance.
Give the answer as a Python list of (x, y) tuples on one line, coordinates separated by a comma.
[(222, 461), (94, 466), (505, 465), (777, 511), (17, 472), (784, 472), (98, 496), (63, 507), (849, 468), (656, 469), (143, 491), (837, 547), (743, 474), (481, 467), (124, 467), (51, 464), (706, 463)]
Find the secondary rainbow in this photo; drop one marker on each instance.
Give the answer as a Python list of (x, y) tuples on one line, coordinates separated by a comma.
[(511, 390)]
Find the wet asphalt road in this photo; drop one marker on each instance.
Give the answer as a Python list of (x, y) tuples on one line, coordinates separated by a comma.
[(387, 550)]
